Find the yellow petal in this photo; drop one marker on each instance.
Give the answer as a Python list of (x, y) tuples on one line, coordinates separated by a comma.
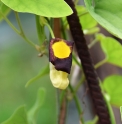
[(58, 78), (61, 49)]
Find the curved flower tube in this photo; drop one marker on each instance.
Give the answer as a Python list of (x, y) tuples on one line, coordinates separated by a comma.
[(60, 57), (58, 78)]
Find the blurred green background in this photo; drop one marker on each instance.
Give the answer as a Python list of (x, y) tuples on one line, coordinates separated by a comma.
[(19, 62)]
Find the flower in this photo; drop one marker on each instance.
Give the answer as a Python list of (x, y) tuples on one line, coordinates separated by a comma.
[(60, 57), (59, 78)]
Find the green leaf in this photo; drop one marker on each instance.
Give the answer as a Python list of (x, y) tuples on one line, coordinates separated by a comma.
[(19, 117), (113, 86), (43, 72), (4, 10), (47, 8), (113, 50), (86, 20), (108, 13), (32, 114)]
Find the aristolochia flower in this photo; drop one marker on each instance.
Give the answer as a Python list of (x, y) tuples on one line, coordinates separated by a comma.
[(60, 56), (59, 78)]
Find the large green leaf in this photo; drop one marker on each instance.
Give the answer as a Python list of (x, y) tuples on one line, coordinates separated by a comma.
[(48, 8), (4, 10), (113, 86), (108, 13), (32, 114), (19, 117), (113, 50)]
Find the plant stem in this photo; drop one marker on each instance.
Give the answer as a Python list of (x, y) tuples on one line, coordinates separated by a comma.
[(16, 30), (28, 41), (9, 23), (92, 43), (62, 94), (84, 13), (40, 30), (76, 2), (100, 63), (63, 30), (87, 64), (74, 58), (51, 31), (62, 115), (21, 30), (110, 111), (77, 103), (57, 27), (83, 77), (19, 23), (79, 84)]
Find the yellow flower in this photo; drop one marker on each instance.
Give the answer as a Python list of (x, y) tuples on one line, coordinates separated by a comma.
[(60, 57)]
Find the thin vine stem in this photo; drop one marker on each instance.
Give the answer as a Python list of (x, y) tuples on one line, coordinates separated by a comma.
[(92, 43), (84, 13), (10, 24), (76, 2), (80, 83), (100, 63), (110, 110), (62, 95), (18, 21), (76, 61), (38, 28), (63, 30), (30, 42), (16, 30), (21, 30), (83, 77), (77, 103), (51, 31)]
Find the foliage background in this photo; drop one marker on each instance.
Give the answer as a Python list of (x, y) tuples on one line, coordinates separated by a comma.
[(19, 63)]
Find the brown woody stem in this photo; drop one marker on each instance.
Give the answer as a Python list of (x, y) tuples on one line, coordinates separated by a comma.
[(62, 116), (88, 67)]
